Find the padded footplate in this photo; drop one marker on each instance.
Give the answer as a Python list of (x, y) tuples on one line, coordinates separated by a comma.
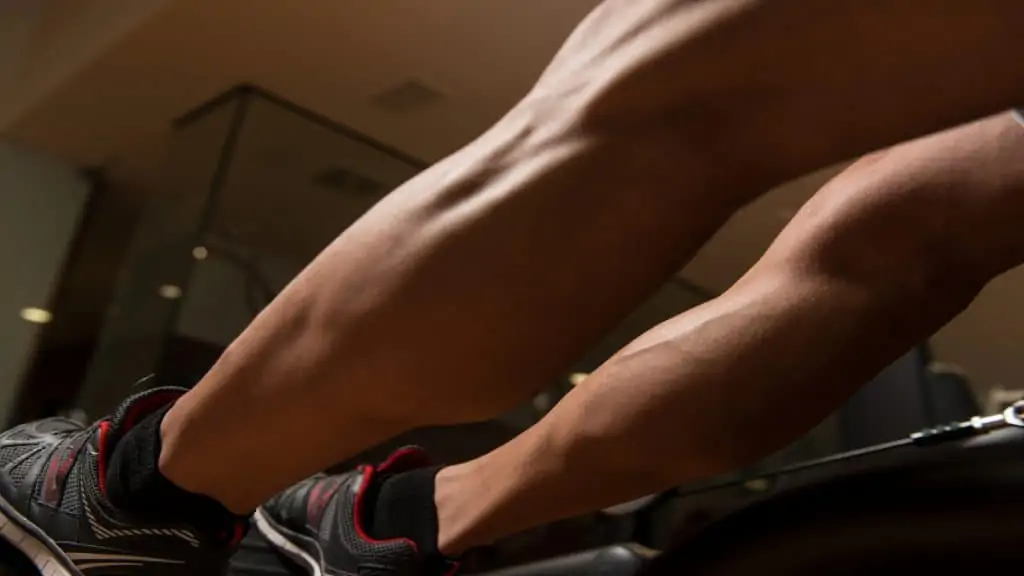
[(618, 560), (954, 508)]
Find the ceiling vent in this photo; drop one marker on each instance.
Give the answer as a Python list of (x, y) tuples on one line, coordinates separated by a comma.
[(409, 96), (344, 181)]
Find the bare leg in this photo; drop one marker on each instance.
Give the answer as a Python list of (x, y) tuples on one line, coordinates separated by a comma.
[(879, 259), (502, 263)]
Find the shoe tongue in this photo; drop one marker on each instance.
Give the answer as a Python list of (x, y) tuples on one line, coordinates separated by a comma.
[(137, 407), (404, 460)]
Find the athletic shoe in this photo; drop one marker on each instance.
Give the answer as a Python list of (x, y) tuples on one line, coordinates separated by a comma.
[(54, 509), (256, 557), (318, 523)]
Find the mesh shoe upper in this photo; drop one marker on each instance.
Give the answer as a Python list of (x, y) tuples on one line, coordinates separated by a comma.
[(53, 505), (318, 523)]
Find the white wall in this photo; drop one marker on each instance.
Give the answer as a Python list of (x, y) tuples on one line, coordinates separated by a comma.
[(41, 203)]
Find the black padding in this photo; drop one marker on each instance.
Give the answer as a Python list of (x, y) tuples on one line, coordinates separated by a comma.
[(620, 560), (952, 508)]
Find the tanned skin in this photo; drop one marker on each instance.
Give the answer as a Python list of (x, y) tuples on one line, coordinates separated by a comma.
[(478, 282), (883, 256)]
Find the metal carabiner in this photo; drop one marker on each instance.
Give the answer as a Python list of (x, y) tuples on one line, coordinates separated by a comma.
[(1014, 415)]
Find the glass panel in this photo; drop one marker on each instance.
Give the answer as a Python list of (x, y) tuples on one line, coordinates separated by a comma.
[(295, 184), (255, 187), (239, 218), (159, 261)]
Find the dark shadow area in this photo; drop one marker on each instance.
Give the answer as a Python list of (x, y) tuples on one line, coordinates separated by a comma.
[(87, 283), (956, 507)]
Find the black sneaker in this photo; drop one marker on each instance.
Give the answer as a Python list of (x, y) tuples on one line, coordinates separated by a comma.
[(318, 524), (54, 509)]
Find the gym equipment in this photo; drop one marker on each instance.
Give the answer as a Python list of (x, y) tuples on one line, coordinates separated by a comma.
[(618, 560), (946, 498), (956, 504)]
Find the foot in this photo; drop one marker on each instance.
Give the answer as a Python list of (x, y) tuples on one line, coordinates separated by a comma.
[(318, 523), (54, 505)]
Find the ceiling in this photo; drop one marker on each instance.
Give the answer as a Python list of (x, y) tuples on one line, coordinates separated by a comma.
[(287, 169), (108, 96)]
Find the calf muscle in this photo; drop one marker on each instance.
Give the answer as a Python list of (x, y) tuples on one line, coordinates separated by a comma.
[(480, 280), (879, 259)]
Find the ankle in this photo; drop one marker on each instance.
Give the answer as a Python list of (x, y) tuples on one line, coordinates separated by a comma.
[(134, 482), (457, 490), (191, 473)]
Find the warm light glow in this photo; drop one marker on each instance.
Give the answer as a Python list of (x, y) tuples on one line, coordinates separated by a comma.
[(577, 378), (36, 315), (757, 485), (200, 252), (169, 291)]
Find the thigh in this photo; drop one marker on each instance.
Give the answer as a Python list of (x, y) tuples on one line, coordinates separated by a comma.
[(787, 86)]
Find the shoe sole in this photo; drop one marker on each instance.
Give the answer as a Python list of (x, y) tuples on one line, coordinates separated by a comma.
[(278, 539), (33, 543), (256, 556)]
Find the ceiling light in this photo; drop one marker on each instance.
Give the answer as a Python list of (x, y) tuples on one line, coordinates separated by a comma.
[(36, 315), (169, 291), (577, 378), (200, 252)]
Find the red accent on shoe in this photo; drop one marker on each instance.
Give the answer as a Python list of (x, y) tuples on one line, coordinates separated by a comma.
[(140, 408), (51, 494), (314, 500), (58, 468), (405, 459), (103, 455), (236, 538), (144, 406), (319, 497), (368, 474)]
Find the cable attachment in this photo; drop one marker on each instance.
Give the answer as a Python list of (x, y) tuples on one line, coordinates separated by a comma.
[(1012, 416)]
